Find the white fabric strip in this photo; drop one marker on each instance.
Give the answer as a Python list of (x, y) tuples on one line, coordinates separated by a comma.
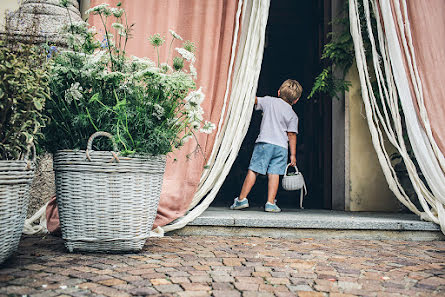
[(420, 142), (393, 87), (29, 228), (244, 84)]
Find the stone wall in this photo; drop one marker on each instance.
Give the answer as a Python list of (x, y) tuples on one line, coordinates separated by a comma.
[(40, 21), (43, 186)]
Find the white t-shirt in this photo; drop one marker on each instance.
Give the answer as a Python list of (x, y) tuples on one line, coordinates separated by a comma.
[(278, 119)]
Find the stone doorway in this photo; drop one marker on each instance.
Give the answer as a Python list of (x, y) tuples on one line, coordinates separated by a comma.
[(295, 35)]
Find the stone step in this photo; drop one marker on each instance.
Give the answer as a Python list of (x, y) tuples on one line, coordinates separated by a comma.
[(320, 224)]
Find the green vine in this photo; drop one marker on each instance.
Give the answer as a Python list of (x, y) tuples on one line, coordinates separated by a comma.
[(338, 53)]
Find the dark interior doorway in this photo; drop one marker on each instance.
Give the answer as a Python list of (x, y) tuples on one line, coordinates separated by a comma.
[(295, 34)]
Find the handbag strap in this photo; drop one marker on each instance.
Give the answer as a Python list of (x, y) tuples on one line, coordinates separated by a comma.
[(296, 169)]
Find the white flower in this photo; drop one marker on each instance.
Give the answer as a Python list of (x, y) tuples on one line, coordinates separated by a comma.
[(142, 63), (186, 138), (195, 124), (208, 127), (175, 35), (195, 97), (98, 8), (193, 72), (194, 113), (165, 68), (74, 93), (173, 122), (92, 30), (117, 12), (97, 57), (189, 56), (158, 111), (120, 28)]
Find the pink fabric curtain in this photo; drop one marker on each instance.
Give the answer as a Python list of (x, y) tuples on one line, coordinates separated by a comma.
[(427, 19), (427, 22), (210, 24)]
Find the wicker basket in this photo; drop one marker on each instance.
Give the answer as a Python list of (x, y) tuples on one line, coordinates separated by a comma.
[(15, 183), (292, 182), (106, 203)]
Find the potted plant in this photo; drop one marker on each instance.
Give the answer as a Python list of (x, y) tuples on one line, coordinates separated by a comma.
[(108, 200), (23, 91)]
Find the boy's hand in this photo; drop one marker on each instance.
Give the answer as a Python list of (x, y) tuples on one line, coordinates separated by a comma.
[(293, 160)]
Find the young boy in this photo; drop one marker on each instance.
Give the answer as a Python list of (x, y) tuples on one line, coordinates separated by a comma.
[(278, 127)]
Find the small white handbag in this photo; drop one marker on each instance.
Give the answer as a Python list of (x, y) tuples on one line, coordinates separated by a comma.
[(293, 182)]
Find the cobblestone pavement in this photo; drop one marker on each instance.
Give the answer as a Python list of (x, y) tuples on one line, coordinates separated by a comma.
[(229, 266)]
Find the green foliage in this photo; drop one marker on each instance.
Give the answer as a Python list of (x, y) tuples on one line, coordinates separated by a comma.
[(339, 52), (23, 92), (95, 86), (327, 84)]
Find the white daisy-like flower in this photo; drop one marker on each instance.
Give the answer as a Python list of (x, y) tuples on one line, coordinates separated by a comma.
[(194, 113), (195, 125), (175, 35), (192, 110), (208, 127), (195, 97), (189, 56), (117, 12), (193, 72), (98, 8)]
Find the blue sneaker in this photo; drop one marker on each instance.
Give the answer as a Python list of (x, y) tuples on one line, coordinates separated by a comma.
[(269, 207), (240, 204)]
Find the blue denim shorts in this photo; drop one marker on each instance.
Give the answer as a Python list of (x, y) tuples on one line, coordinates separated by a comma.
[(268, 158)]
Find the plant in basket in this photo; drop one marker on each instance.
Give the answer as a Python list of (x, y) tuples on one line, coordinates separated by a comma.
[(23, 91), (146, 108)]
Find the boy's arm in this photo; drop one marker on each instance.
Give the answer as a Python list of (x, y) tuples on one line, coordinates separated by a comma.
[(293, 147), (256, 100)]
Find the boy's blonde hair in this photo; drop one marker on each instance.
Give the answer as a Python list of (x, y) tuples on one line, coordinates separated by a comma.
[(290, 90)]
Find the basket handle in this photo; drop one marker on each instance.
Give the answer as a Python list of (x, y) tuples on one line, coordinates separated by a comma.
[(296, 169), (90, 144), (30, 151)]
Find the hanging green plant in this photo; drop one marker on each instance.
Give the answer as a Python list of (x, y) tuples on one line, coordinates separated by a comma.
[(338, 53), (23, 91)]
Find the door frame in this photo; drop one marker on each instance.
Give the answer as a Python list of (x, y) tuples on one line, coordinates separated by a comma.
[(340, 130)]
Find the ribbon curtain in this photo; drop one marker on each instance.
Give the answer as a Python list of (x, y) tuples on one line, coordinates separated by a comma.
[(403, 81)]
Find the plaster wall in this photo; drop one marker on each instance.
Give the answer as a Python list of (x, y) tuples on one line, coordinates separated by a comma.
[(6, 5), (368, 189)]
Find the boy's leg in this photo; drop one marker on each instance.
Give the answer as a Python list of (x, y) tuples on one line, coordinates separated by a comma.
[(274, 181), (249, 181)]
